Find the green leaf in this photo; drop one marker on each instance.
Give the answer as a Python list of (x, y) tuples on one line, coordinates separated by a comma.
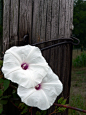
[(38, 113), (61, 109), (43, 112), (1, 108), (5, 97), (1, 92), (15, 95), (1, 63), (64, 101), (6, 84), (24, 110), (21, 105), (14, 91), (56, 107), (60, 100), (1, 81), (3, 102)]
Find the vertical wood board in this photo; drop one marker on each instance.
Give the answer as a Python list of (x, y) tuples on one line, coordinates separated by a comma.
[(43, 20)]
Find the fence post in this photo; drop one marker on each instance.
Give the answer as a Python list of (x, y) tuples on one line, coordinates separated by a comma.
[(42, 20), (1, 23)]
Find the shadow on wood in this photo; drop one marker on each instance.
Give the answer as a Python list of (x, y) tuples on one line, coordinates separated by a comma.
[(42, 20)]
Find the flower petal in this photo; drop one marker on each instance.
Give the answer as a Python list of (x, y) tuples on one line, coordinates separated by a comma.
[(52, 86), (31, 55), (43, 98), (40, 69), (8, 57), (20, 52), (26, 78), (33, 98), (22, 77), (24, 93), (9, 63), (51, 77), (52, 91), (12, 54)]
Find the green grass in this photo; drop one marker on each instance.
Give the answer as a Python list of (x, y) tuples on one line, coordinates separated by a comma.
[(78, 90), (78, 87), (80, 72), (76, 53), (77, 100), (80, 60)]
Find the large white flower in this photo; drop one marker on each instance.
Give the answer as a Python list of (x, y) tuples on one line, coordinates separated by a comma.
[(24, 65), (44, 94)]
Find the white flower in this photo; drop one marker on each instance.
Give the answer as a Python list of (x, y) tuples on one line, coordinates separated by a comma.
[(44, 94), (24, 65)]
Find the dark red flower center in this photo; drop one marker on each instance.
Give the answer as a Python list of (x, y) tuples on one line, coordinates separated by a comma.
[(24, 66), (38, 87)]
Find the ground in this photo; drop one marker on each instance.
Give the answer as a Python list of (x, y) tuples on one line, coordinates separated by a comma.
[(78, 88)]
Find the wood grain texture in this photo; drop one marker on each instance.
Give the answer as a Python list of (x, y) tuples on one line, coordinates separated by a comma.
[(25, 18), (6, 25), (1, 12), (13, 23), (1, 24), (43, 20)]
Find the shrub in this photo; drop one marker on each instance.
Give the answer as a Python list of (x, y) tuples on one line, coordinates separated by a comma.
[(80, 61)]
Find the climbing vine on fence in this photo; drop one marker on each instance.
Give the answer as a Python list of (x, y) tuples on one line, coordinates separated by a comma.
[(22, 108)]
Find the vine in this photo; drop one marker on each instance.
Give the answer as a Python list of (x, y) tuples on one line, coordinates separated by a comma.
[(60, 106)]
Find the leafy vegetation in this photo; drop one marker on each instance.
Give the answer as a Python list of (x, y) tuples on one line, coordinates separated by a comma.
[(21, 107), (57, 109), (41, 113), (79, 21), (78, 90), (4, 84), (80, 60), (76, 100)]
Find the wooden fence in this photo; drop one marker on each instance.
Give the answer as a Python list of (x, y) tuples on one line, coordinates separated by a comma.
[(1, 23), (1, 11), (42, 20)]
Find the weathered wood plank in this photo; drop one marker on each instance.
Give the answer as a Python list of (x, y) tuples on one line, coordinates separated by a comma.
[(1, 12), (42, 20), (6, 24), (25, 18), (13, 38), (29, 19), (1, 23), (36, 22), (55, 21), (67, 19)]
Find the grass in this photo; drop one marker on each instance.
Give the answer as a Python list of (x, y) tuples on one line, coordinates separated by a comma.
[(80, 60), (76, 53), (78, 88)]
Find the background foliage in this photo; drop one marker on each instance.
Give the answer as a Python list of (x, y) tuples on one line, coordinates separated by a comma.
[(79, 21), (80, 60)]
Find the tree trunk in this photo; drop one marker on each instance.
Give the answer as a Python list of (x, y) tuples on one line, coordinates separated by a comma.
[(43, 20)]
